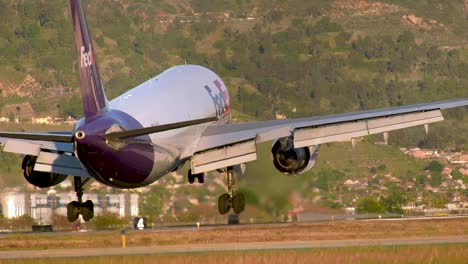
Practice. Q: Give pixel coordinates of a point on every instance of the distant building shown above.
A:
(423, 153)
(41, 207)
(461, 159)
(42, 120)
(70, 120)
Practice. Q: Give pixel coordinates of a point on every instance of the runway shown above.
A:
(225, 247)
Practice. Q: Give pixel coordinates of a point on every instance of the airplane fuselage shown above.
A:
(179, 94)
(177, 116)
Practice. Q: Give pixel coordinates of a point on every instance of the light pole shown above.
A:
(40, 211)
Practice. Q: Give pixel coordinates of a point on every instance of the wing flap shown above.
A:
(386, 124)
(59, 163)
(223, 157)
(346, 131)
(324, 134)
(22, 147)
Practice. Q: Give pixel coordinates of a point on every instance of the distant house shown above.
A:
(461, 159)
(356, 184)
(42, 120)
(70, 120)
(391, 178)
(423, 153)
(446, 171)
(464, 172)
(194, 201)
(409, 185)
(279, 116)
(352, 184)
(48, 120)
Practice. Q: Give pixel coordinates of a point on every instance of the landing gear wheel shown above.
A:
(238, 203)
(75, 208)
(224, 203)
(191, 177)
(72, 211)
(87, 210)
(201, 178)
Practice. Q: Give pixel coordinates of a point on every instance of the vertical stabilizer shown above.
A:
(92, 91)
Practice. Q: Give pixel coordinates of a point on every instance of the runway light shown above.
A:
(198, 225)
(122, 234)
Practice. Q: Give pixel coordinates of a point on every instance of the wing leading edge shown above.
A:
(308, 131)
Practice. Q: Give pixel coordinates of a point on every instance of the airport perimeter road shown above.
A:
(192, 248)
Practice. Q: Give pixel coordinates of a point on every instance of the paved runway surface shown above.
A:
(180, 249)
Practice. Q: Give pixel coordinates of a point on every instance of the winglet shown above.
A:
(92, 91)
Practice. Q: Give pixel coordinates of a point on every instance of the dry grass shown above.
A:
(241, 234)
(416, 254)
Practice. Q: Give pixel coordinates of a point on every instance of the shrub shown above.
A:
(369, 205)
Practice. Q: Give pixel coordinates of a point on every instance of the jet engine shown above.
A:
(38, 178)
(289, 160)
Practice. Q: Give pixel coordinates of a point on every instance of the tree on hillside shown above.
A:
(328, 179)
(153, 202)
(436, 179)
(393, 202)
(369, 205)
(435, 166)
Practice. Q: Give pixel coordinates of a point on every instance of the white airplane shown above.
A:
(181, 116)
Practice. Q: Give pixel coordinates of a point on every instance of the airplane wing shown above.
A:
(54, 150)
(231, 144)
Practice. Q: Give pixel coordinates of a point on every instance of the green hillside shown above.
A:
(286, 56)
(297, 58)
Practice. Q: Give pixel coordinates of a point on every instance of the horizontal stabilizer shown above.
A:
(156, 129)
(49, 136)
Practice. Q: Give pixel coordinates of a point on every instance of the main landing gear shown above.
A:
(75, 208)
(191, 177)
(228, 200)
(231, 199)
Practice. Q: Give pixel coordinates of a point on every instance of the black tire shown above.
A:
(191, 177)
(223, 203)
(201, 177)
(72, 211)
(238, 203)
(87, 210)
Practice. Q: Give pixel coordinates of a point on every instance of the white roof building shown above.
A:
(42, 206)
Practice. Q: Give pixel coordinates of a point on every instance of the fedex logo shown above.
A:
(86, 58)
(220, 99)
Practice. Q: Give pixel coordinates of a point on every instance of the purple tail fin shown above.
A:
(92, 91)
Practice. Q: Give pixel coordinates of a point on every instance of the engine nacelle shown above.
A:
(289, 160)
(38, 178)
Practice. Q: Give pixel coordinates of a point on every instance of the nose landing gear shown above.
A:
(75, 208)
